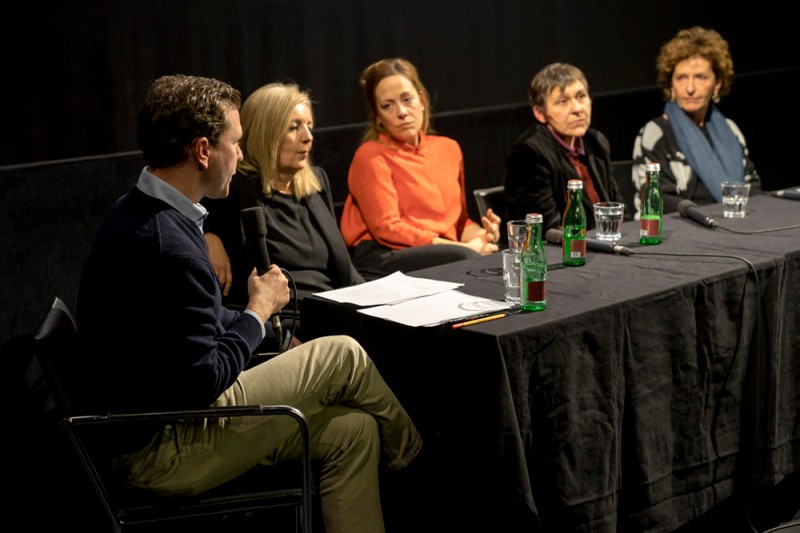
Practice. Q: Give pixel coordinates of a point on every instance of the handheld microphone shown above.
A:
(255, 228)
(793, 194)
(554, 236)
(688, 209)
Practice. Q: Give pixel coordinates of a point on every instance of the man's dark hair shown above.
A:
(179, 109)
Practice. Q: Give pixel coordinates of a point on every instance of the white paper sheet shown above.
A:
(437, 308)
(391, 289)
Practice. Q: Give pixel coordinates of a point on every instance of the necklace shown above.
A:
(284, 187)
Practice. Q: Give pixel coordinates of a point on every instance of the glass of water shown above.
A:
(517, 235)
(734, 199)
(608, 220)
(511, 263)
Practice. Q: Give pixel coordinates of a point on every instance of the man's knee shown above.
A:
(346, 343)
(350, 432)
(341, 349)
(360, 437)
(361, 428)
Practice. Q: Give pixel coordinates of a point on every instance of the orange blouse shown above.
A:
(403, 195)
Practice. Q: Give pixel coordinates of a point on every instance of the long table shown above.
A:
(653, 387)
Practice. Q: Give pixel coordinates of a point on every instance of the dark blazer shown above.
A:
(224, 219)
(538, 169)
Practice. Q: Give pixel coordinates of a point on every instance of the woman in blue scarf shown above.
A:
(696, 145)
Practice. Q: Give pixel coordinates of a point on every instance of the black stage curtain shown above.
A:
(76, 72)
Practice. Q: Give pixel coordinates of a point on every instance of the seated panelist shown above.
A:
(276, 175)
(696, 145)
(407, 206)
(155, 335)
(559, 146)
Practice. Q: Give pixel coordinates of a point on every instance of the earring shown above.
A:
(672, 95)
(715, 98)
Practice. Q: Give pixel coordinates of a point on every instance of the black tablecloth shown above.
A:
(651, 388)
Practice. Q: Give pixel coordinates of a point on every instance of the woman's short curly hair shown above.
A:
(691, 42)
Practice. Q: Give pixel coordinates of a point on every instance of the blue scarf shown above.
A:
(713, 162)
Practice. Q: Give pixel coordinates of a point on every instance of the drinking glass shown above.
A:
(517, 233)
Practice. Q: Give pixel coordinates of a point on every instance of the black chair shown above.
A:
(263, 487)
(495, 198)
(622, 174)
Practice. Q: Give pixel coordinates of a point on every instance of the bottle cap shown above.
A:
(574, 184)
(534, 218)
(653, 167)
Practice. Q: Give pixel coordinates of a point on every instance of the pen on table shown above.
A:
(478, 320)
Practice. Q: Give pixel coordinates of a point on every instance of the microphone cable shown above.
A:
(749, 232)
(295, 313)
(689, 209)
(761, 329)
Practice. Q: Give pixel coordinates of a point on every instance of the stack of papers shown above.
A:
(391, 289)
(414, 301)
(437, 309)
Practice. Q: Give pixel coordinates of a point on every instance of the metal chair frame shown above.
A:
(254, 490)
(793, 526)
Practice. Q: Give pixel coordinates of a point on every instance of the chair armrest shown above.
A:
(174, 416)
(72, 423)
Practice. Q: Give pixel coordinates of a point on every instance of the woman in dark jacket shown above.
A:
(559, 147)
(276, 175)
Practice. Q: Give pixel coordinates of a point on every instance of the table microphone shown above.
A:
(255, 228)
(554, 236)
(688, 209)
(793, 194)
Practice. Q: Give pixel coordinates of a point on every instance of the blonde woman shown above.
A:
(276, 175)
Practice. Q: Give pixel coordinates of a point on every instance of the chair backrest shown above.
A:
(622, 173)
(56, 342)
(51, 489)
(494, 198)
(284, 486)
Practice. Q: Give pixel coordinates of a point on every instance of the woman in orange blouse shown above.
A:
(407, 206)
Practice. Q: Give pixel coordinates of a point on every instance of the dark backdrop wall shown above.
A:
(76, 72)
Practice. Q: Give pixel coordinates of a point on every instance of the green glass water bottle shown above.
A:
(651, 213)
(533, 267)
(573, 225)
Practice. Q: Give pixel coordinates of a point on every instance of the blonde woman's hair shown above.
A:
(265, 117)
